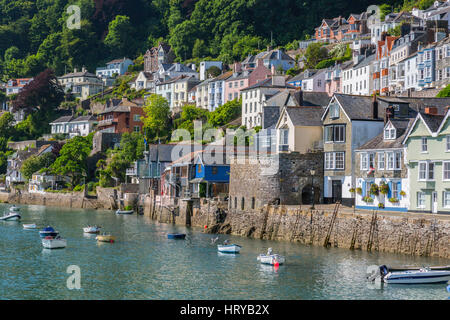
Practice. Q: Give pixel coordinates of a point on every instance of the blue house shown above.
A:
(211, 178)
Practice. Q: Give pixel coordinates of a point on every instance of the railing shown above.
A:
(131, 172)
(106, 122)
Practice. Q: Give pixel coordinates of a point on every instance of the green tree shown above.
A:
(200, 50)
(314, 54)
(36, 163)
(157, 113)
(120, 38)
(225, 113)
(72, 160)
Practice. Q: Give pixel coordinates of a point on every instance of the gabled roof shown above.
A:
(356, 107)
(62, 119)
(267, 83)
(161, 152)
(304, 116)
(117, 61)
(379, 143)
(78, 74)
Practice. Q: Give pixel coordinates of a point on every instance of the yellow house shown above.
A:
(299, 129)
(181, 88)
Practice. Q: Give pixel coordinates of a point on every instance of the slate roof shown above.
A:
(267, 83)
(365, 62)
(358, 107)
(62, 119)
(305, 116)
(379, 142)
(270, 116)
(432, 121)
(78, 74)
(162, 151)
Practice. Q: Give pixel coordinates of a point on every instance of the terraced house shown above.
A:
(428, 157)
(349, 122)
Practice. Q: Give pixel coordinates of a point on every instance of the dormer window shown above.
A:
(389, 132)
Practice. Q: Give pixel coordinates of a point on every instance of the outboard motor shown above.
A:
(383, 270)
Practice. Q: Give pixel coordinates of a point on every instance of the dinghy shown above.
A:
(89, 229)
(176, 236)
(29, 226)
(271, 258)
(54, 242)
(106, 238)
(226, 247)
(124, 211)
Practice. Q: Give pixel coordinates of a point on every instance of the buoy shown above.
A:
(206, 227)
(111, 241)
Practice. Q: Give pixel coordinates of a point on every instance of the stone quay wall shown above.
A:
(67, 200)
(383, 232)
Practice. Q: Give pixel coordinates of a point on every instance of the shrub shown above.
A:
(78, 188)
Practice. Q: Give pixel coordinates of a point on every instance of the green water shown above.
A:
(144, 264)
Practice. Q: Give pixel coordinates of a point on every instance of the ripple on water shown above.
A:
(144, 264)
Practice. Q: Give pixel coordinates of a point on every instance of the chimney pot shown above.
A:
(431, 110)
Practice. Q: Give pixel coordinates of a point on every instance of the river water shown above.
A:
(144, 264)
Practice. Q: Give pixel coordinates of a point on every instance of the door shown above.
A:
(434, 201)
(336, 191)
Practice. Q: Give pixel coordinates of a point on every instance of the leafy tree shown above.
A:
(36, 163)
(200, 50)
(120, 38)
(6, 125)
(444, 93)
(225, 113)
(314, 54)
(213, 71)
(157, 113)
(72, 160)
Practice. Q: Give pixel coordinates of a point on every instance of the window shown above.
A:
(334, 160)
(398, 161)
(390, 160)
(426, 171)
(137, 129)
(395, 192)
(284, 136)
(371, 160)
(424, 145)
(364, 161)
(334, 110)
(447, 144)
(381, 161)
(446, 199)
(335, 133)
(137, 118)
(421, 200)
(446, 170)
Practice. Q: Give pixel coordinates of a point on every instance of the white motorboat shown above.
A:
(422, 276)
(29, 226)
(229, 248)
(90, 229)
(12, 215)
(54, 243)
(124, 211)
(271, 258)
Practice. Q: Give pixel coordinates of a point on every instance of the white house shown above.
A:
(205, 65)
(80, 126)
(315, 82)
(117, 66)
(356, 79)
(40, 182)
(144, 81)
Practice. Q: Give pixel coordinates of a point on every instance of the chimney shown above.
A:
(193, 67)
(375, 107)
(300, 96)
(75, 70)
(237, 67)
(273, 70)
(278, 80)
(83, 69)
(259, 62)
(431, 110)
(389, 114)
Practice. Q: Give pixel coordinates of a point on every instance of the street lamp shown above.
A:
(313, 172)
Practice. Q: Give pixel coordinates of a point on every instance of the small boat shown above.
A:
(29, 226)
(54, 242)
(412, 268)
(12, 215)
(48, 232)
(422, 276)
(226, 247)
(105, 238)
(176, 236)
(271, 258)
(124, 211)
(90, 229)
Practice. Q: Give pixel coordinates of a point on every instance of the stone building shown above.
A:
(284, 178)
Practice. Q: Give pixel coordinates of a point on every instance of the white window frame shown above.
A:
(381, 156)
(331, 161)
(427, 171)
(446, 199)
(447, 143)
(444, 163)
(364, 161)
(424, 145)
(421, 201)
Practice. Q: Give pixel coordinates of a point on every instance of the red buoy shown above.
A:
(206, 227)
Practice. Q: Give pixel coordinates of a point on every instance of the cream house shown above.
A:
(299, 129)
(81, 84)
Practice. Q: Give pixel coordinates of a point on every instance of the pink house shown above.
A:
(242, 79)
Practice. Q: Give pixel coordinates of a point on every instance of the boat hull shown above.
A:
(54, 243)
(271, 259)
(29, 226)
(11, 217)
(179, 236)
(411, 277)
(232, 248)
(105, 238)
(91, 230)
(124, 212)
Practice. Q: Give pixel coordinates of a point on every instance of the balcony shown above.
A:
(131, 172)
(106, 122)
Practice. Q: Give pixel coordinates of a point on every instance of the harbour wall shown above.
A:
(383, 232)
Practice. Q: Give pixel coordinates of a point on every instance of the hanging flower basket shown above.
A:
(384, 188)
(368, 199)
(381, 205)
(374, 189)
(351, 190)
(402, 193)
(358, 190)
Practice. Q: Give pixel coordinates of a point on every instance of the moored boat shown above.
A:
(124, 211)
(48, 232)
(29, 226)
(12, 215)
(105, 238)
(91, 229)
(422, 276)
(176, 236)
(271, 258)
(227, 247)
(54, 242)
